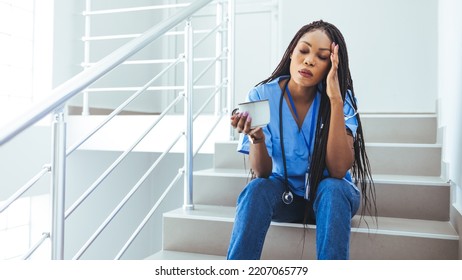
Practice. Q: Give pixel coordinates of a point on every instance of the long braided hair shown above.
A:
(361, 170)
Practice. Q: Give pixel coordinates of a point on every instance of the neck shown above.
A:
(300, 93)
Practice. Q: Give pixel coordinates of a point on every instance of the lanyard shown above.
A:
(287, 196)
(311, 139)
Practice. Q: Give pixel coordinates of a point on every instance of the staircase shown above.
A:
(412, 200)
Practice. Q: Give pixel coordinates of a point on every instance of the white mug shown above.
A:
(258, 110)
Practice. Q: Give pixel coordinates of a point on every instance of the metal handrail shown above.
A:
(119, 159)
(45, 169)
(34, 248)
(122, 106)
(79, 82)
(202, 108)
(149, 215)
(207, 68)
(117, 209)
(112, 215)
(135, 35)
(136, 9)
(209, 133)
(150, 88)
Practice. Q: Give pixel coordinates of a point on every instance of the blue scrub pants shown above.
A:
(260, 203)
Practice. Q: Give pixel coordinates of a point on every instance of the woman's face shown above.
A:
(310, 60)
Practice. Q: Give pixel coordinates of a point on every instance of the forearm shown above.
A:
(340, 153)
(259, 159)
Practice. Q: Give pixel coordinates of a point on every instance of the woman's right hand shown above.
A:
(242, 122)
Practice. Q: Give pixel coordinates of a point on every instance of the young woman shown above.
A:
(303, 157)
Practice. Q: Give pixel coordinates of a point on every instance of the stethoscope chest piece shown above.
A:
(287, 197)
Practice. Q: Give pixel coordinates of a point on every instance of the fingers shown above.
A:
(256, 136)
(241, 122)
(334, 55)
(333, 87)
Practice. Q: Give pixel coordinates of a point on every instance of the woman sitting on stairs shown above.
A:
(302, 159)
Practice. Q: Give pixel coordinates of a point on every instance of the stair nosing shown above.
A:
(211, 216)
(182, 255)
(378, 178)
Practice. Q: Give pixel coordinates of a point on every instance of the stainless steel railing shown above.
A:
(80, 83)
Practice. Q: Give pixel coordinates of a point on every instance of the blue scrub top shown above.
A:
(298, 144)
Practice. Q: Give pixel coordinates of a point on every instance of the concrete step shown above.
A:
(175, 255)
(412, 197)
(385, 158)
(405, 159)
(206, 230)
(400, 128)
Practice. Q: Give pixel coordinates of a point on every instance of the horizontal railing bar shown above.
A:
(207, 67)
(79, 82)
(136, 9)
(208, 134)
(111, 37)
(119, 159)
(25, 187)
(150, 88)
(155, 61)
(125, 200)
(134, 88)
(34, 248)
(147, 61)
(211, 97)
(148, 216)
(136, 35)
(122, 106)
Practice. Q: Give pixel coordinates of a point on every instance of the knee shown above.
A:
(257, 189)
(337, 191)
(333, 189)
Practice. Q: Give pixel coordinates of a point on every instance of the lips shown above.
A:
(306, 73)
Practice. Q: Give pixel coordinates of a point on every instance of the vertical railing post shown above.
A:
(219, 63)
(86, 59)
(58, 185)
(188, 112)
(230, 62)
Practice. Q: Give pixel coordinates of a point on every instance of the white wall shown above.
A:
(22, 158)
(392, 46)
(255, 20)
(450, 91)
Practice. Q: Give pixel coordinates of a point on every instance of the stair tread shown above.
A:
(375, 144)
(177, 255)
(379, 178)
(386, 225)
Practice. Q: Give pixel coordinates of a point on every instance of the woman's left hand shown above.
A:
(333, 86)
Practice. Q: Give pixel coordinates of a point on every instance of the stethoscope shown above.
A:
(287, 195)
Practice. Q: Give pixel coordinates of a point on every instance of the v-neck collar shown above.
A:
(310, 114)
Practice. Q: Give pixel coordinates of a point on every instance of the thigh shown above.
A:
(338, 195)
